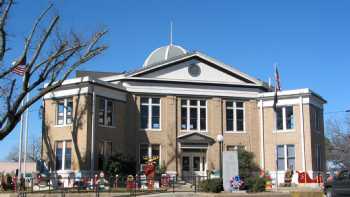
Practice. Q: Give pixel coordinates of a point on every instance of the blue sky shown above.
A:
(310, 40)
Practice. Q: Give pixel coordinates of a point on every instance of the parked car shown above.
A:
(338, 185)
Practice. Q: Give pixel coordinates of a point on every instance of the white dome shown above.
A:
(164, 53)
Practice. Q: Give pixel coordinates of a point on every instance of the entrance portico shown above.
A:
(194, 154)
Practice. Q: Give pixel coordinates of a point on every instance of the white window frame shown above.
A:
(284, 119)
(198, 107)
(236, 147)
(150, 105)
(106, 100)
(285, 156)
(150, 153)
(64, 142)
(65, 105)
(235, 108)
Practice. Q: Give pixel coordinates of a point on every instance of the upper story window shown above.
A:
(64, 112)
(234, 116)
(63, 155)
(105, 112)
(285, 118)
(150, 113)
(285, 157)
(317, 118)
(193, 115)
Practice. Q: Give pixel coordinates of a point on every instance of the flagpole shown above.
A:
(26, 137)
(20, 145)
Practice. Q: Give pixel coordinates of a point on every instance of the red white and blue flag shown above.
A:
(20, 69)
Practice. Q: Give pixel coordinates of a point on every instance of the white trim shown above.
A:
(65, 93)
(79, 80)
(93, 123)
(302, 132)
(63, 125)
(190, 89)
(100, 91)
(203, 56)
(283, 131)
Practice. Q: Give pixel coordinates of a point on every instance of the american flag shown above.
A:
(277, 88)
(20, 69)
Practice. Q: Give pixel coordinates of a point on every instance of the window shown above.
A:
(104, 153)
(285, 155)
(193, 115)
(235, 147)
(105, 112)
(317, 119)
(234, 116)
(149, 151)
(284, 118)
(64, 112)
(291, 157)
(185, 163)
(63, 155)
(318, 157)
(150, 113)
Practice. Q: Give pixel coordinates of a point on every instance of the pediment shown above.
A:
(195, 138)
(196, 68)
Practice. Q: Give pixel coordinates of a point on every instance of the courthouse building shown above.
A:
(173, 107)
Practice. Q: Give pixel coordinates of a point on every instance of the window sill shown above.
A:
(191, 131)
(63, 125)
(150, 130)
(106, 126)
(284, 131)
(235, 132)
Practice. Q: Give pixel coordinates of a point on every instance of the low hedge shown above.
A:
(255, 184)
(212, 185)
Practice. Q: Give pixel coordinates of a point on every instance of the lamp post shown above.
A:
(220, 139)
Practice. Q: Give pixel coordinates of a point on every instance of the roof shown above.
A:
(95, 74)
(288, 93)
(195, 137)
(164, 53)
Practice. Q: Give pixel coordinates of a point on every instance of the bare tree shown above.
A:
(33, 151)
(50, 58)
(338, 142)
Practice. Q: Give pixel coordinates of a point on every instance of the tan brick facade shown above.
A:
(126, 136)
(185, 147)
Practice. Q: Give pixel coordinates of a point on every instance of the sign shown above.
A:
(230, 169)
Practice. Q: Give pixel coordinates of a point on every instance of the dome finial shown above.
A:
(171, 32)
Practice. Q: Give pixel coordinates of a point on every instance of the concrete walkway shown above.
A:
(176, 194)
